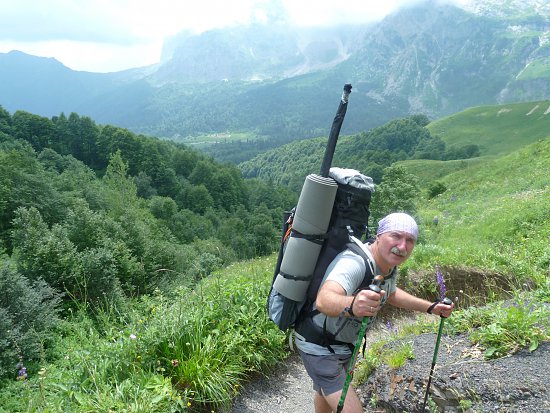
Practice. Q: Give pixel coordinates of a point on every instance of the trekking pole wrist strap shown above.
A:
(430, 308)
(351, 306)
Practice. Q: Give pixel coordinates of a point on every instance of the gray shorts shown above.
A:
(327, 372)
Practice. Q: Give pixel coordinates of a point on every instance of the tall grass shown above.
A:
(492, 229)
(184, 352)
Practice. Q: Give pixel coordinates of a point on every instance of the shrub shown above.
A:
(28, 313)
(436, 189)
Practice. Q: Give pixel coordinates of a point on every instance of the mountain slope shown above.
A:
(497, 129)
(282, 85)
(494, 130)
(438, 60)
(45, 86)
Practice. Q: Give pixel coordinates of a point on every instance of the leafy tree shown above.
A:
(87, 229)
(202, 173)
(83, 135)
(37, 130)
(195, 198)
(5, 122)
(188, 226)
(163, 208)
(430, 148)
(463, 152)
(144, 186)
(184, 161)
(113, 139)
(232, 233)
(165, 181)
(436, 188)
(24, 183)
(420, 119)
(122, 191)
(399, 191)
(46, 254)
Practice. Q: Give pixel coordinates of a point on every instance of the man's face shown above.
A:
(394, 247)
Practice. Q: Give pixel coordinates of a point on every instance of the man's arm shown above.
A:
(332, 300)
(403, 299)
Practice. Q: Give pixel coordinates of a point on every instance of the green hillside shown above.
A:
(497, 129)
(428, 170)
(167, 351)
(493, 219)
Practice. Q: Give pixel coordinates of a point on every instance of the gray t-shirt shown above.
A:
(348, 270)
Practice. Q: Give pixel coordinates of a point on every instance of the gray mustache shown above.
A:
(397, 251)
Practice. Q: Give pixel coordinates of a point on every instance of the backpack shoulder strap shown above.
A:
(361, 249)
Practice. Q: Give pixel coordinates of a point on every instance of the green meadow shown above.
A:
(497, 130)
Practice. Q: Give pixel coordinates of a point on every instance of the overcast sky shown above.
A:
(113, 35)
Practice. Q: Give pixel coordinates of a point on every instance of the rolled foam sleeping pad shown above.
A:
(312, 217)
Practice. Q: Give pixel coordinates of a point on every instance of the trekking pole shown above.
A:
(375, 286)
(446, 301)
(335, 131)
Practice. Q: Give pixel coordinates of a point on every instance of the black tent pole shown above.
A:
(335, 131)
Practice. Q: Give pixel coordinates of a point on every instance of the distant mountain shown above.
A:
(438, 60)
(255, 53)
(45, 86)
(282, 84)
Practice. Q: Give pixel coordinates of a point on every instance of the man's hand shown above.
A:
(367, 303)
(443, 310)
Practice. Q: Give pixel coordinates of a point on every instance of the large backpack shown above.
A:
(349, 218)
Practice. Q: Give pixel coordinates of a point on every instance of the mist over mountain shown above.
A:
(255, 53)
(281, 83)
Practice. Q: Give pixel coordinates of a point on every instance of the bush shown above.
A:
(436, 189)
(28, 314)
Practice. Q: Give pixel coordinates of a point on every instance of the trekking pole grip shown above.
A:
(376, 282)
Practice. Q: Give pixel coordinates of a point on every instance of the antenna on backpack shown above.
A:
(335, 131)
(310, 222)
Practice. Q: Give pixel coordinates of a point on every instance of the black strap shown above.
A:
(296, 277)
(430, 309)
(369, 266)
(351, 306)
(315, 238)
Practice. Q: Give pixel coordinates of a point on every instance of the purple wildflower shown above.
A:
(22, 370)
(441, 282)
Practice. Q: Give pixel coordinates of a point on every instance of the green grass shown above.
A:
(184, 352)
(538, 68)
(430, 170)
(202, 141)
(497, 130)
(492, 227)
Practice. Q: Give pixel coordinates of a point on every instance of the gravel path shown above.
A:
(288, 389)
(519, 383)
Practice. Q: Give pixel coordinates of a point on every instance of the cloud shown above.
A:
(61, 20)
(111, 35)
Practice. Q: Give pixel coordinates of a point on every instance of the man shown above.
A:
(327, 336)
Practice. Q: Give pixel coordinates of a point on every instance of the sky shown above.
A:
(113, 35)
